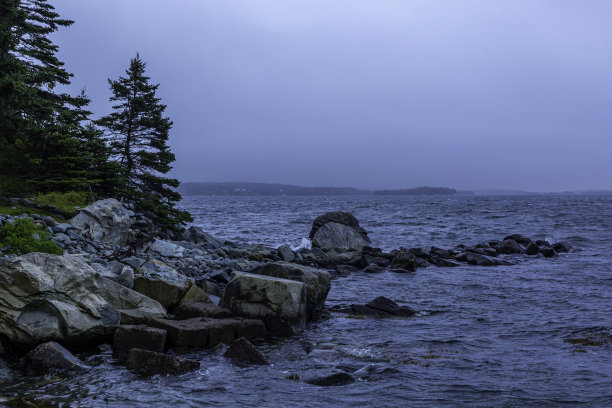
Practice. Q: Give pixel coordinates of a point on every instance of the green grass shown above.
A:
(24, 236)
(66, 202)
(19, 209)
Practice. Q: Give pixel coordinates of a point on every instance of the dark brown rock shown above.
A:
(188, 310)
(331, 379)
(159, 363)
(387, 305)
(532, 249)
(137, 336)
(242, 349)
(509, 246)
(50, 357)
(404, 262)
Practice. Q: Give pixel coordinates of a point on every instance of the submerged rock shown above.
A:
(404, 262)
(338, 230)
(331, 378)
(105, 221)
(281, 303)
(318, 283)
(158, 363)
(242, 350)
(509, 246)
(51, 357)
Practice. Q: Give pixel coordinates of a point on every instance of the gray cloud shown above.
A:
(385, 94)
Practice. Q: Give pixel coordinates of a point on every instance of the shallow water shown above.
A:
(485, 336)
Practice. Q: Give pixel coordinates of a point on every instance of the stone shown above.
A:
(333, 378)
(386, 305)
(285, 253)
(159, 363)
(220, 277)
(104, 221)
(188, 310)
(209, 287)
(204, 332)
(532, 249)
(194, 294)
(521, 239)
(133, 262)
(62, 238)
(560, 247)
(47, 297)
(166, 248)
(137, 336)
(280, 303)
(162, 283)
(404, 262)
(434, 260)
(62, 228)
(117, 272)
(318, 283)
(200, 237)
(509, 246)
(338, 230)
(547, 252)
(242, 350)
(480, 260)
(51, 357)
(441, 253)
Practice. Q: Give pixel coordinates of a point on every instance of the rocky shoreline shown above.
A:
(151, 297)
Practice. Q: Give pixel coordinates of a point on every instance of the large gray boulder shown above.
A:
(47, 297)
(318, 283)
(280, 303)
(338, 230)
(157, 280)
(105, 221)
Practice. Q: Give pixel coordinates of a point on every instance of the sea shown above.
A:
(534, 334)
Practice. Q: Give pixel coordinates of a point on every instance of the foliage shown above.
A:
(67, 202)
(24, 236)
(138, 134)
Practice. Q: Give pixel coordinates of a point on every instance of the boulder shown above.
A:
(330, 378)
(200, 237)
(386, 305)
(280, 303)
(153, 362)
(285, 253)
(338, 230)
(242, 350)
(105, 221)
(547, 251)
(509, 246)
(50, 357)
(318, 283)
(404, 262)
(117, 272)
(166, 248)
(47, 297)
(532, 249)
(162, 283)
(560, 247)
(521, 239)
(480, 260)
(137, 336)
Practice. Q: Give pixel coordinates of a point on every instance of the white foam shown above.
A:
(305, 244)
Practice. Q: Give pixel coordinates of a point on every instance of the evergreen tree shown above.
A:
(40, 148)
(138, 135)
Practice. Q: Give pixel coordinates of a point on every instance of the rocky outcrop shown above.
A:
(318, 283)
(280, 303)
(379, 307)
(117, 272)
(105, 221)
(338, 230)
(49, 297)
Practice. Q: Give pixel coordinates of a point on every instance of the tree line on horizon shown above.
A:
(49, 141)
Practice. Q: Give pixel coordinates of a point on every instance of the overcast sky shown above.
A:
(373, 94)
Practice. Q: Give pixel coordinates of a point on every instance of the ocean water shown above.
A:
(483, 337)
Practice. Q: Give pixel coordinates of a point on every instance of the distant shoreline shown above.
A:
(239, 189)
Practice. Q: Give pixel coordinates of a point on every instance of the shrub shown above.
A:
(24, 236)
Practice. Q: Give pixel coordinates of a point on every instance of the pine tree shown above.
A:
(138, 135)
(40, 149)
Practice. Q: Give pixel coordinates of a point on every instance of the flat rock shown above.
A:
(141, 337)
(159, 363)
(189, 310)
(242, 350)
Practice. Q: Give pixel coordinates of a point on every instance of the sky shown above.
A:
(506, 94)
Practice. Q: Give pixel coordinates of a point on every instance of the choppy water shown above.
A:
(498, 340)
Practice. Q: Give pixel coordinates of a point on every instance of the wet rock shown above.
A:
(386, 305)
(200, 237)
(338, 230)
(547, 252)
(50, 357)
(209, 287)
(509, 246)
(220, 277)
(105, 221)
(205, 332)
(137, 336)
(434, 260)
(331, 378)
(532, 249)
(481, 260)
(441, 253)
(281, 303)
(318, 283)
(488, 251)
(242, 350)
(285, 253)
(190, 310)
(50, 297)
(167, 248)
(521, 239)
(373, 268)
(404, 262)
(560, 247)
(158, 363)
